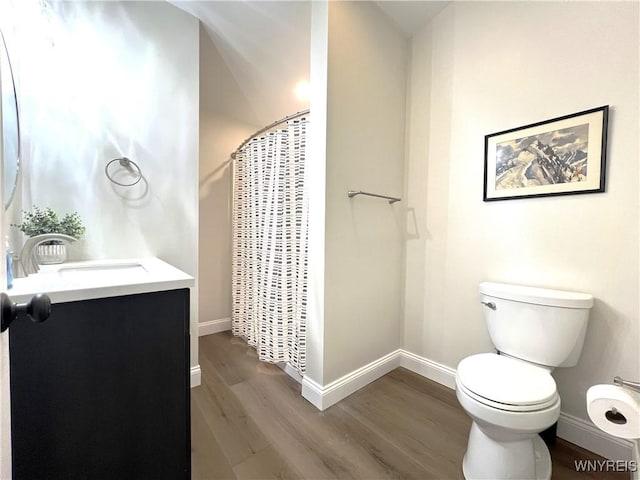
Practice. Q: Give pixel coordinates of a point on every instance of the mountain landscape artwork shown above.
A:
(553, 157)
(561, 156)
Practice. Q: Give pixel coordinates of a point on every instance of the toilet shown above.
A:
(510, 395)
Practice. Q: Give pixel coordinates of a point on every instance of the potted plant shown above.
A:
(38, 222)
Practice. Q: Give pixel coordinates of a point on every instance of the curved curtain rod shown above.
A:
(269, 127)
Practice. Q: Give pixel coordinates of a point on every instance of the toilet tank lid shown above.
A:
(537, 296)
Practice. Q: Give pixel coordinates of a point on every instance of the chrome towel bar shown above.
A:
(353, 193)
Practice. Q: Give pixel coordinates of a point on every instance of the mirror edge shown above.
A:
(7, 203)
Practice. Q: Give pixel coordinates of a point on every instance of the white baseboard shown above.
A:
(325, 396)
(214, 326)
(573, 429)
(196, 376)
(587, 435)
(428, 368)
(312, 391)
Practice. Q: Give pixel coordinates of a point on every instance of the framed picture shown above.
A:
(561, 156)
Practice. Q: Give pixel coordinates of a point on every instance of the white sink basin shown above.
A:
(107, 268)
(91, 273)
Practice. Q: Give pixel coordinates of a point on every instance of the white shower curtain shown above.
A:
(269, 244)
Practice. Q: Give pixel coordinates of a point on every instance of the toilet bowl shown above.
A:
(511, 395)
(510, 402)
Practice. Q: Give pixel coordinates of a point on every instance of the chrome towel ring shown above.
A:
(125, 163)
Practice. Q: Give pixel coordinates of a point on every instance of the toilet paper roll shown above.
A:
(614, 409)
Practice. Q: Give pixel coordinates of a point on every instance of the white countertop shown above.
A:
(74, 281)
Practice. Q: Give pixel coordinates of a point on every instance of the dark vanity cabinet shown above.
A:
(101, 390)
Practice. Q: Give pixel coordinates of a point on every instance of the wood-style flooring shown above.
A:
(249, 421)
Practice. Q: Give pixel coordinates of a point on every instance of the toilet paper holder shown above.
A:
(626, 383)
(614, 416)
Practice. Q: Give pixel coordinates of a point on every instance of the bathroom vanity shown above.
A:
(100, 389)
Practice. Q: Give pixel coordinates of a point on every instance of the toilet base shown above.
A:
(522, 457)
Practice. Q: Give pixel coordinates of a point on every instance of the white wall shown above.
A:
(100, 80)
(316, 171)
(365, 147)
(366, 78)
(223, 108)
(480, 68)
(247, 81)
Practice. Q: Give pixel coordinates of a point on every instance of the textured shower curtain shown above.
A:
(269, 244)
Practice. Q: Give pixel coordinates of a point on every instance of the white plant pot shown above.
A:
(51, 254)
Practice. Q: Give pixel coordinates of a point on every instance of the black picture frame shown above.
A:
(561, 156)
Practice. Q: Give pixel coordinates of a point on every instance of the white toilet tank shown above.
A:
(538, 325)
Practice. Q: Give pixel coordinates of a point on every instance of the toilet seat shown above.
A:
(506, 383)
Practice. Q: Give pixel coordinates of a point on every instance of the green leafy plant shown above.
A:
(38, 221)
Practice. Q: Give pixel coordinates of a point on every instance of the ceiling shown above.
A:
(257, 51)
(264, 47)
(411, 16)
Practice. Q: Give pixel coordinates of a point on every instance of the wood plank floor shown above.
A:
(249, 421)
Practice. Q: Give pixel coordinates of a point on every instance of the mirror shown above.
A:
(10, 125)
